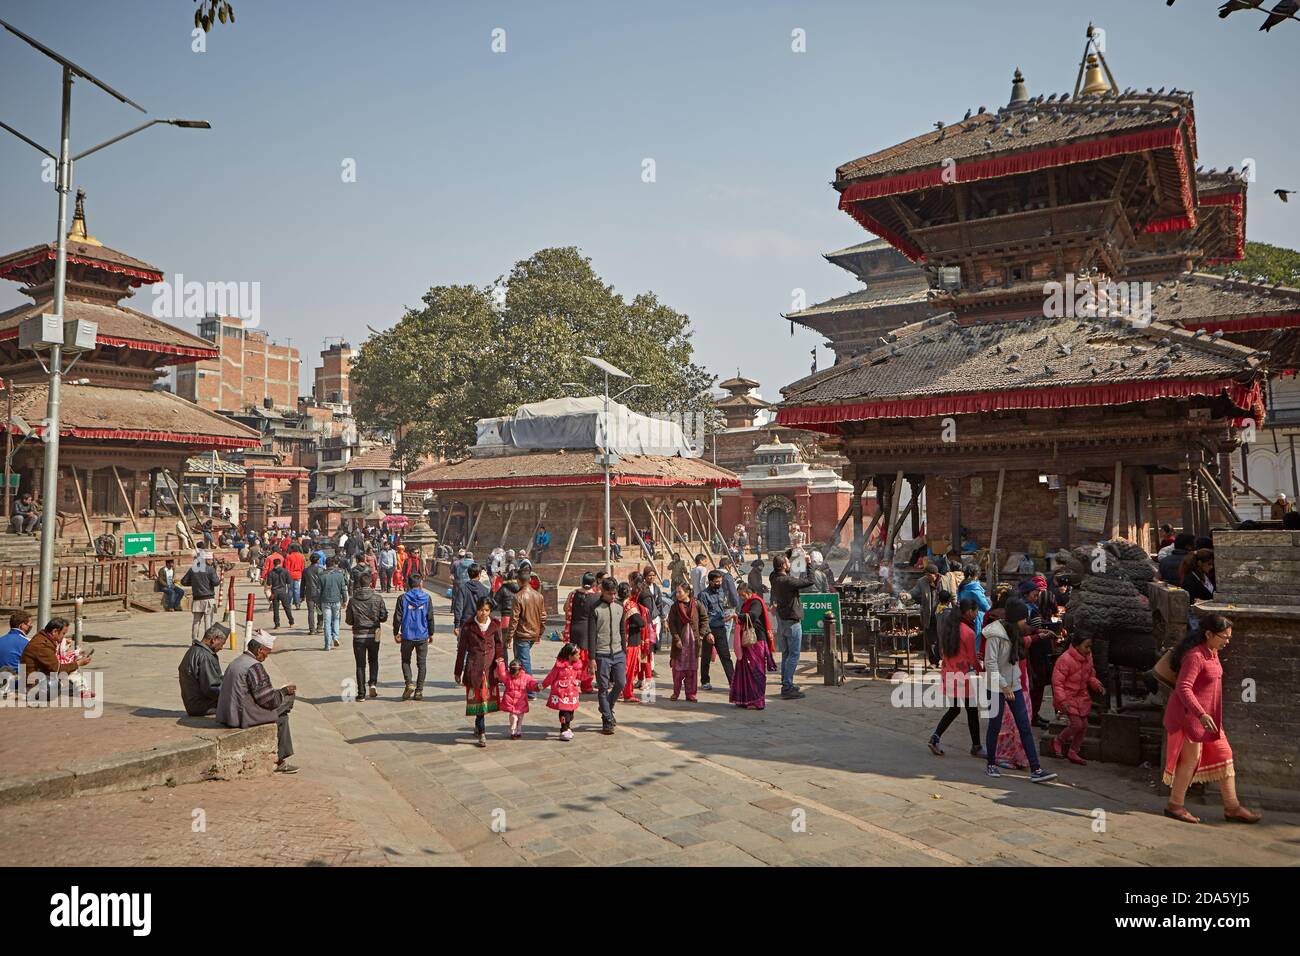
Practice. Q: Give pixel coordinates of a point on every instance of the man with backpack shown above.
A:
(412, 628)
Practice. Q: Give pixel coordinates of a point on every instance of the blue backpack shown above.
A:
(415, 616)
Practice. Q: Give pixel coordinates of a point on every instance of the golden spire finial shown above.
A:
(78, 232)
(1093, 80)
(1099, 79)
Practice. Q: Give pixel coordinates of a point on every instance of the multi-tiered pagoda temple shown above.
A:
(1046, 427)
(122, 443)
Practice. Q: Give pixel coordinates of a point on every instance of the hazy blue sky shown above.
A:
(468, 160)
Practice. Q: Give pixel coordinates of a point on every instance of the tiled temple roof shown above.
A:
(1075, 360)
(565, 468)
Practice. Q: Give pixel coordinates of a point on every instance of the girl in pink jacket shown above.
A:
(1072, 679)
(565, 682)
(514, 698)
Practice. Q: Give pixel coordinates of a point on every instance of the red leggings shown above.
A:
(1071, 738)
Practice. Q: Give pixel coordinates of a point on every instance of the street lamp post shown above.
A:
(63, 185)
(607, 370)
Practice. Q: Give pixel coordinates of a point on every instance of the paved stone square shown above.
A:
(839, 778)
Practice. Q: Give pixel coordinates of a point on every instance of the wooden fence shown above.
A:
(92, 581)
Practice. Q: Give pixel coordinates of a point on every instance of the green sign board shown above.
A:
(815, 607)
(137, 544)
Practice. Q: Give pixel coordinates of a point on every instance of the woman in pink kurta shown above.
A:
(1197, 749)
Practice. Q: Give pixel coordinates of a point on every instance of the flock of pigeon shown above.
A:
(1011, 121)
(1283, 10)
(1048, 353)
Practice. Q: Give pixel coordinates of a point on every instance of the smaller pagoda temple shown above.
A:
(123, 443)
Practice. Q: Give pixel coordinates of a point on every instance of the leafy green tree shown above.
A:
(1275, 263)
(474, 353)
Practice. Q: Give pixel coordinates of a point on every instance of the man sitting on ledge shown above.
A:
(200, 672)
(247, 698)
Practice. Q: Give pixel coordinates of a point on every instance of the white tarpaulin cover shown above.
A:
(582, 423)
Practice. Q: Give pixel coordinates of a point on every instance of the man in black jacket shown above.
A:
(789, 620)
(200, 672)
(311, 591)
(203, 582)
(366, 612)
(278, 585)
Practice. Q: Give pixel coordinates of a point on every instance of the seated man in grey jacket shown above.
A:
(200, 672)
(248, 700)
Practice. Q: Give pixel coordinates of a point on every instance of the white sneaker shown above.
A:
(566, 734)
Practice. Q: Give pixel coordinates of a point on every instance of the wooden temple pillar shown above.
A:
(917, 485)
(857, 558)
(885, 492)
(954, 494)
(1153, 542)
(1063, 514)
(1189, 495)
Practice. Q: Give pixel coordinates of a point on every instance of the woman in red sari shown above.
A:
(1197, 746)
(754, 643)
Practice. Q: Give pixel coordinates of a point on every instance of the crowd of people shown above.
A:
(1018, 642)
(612, 632)
(707, 618)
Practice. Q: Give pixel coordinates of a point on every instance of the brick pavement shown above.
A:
(840, 778)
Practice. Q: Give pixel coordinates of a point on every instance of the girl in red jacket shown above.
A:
(1072, 679)
(565, 682)
(517, 684)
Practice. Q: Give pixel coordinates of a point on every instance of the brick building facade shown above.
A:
(250, 371)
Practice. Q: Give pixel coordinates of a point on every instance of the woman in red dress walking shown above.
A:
(1197, 747)
(478, 648)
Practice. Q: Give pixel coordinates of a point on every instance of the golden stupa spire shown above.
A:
(1094, 74)
(78, 232)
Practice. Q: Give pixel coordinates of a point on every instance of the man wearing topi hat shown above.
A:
(247, 698)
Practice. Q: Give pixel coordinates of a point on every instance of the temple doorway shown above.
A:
(774, 516)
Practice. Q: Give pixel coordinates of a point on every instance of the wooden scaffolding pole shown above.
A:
(568, 551)
(81, 499)
(469, 538)
(690, 514)
(635, 531)
(446, 521)
(505, 529)
(672, 523)
(130, 507)
(181, 502)
(993, 536)
(713, 522)
(541, 516)
(654, 526)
